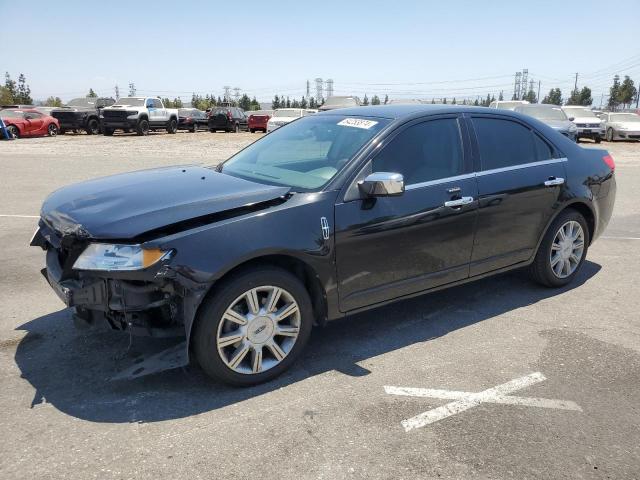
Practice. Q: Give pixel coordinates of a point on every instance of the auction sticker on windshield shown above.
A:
(357, 123)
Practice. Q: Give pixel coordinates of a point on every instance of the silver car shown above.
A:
(621, 126)
(553, 116)
(588, 123)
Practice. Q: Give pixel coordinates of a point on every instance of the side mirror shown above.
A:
(571, 119)
(382, 184)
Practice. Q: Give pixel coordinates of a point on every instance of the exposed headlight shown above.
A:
(103, 256)
(131, 114)
(101, 115)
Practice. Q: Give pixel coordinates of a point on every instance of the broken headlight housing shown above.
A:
(110, 257)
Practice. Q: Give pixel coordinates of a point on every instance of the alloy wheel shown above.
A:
(258, 330)
(567, 249)
(53, 130)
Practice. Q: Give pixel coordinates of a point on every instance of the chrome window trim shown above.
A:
(456, 178)
(524, 165)
(439, 181)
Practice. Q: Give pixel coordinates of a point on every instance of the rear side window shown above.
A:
(504, 143)
(424, 152)
(543, 150)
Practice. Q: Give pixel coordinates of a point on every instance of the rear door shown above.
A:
(389, 247)
(520, 178)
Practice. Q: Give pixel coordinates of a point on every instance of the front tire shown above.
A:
(52, 130)
(597, 139)
(142, 128)
(562, 251)
(107, 132)
(610, 135)
(254, 327)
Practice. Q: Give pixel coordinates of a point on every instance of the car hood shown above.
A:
(578, 119)
(283, 119)
(128, 205)
(628, 125)
(74, 109)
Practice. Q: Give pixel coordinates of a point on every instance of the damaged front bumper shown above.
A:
(150, 302)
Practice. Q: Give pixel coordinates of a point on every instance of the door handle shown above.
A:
(554, 181)
(459, 202)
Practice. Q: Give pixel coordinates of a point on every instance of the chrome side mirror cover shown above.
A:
(382, 184)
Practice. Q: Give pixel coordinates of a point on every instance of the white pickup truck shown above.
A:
(141, 114)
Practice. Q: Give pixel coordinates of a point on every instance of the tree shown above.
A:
(614, 93)
(584, 98)
(531, 97)
(433, 101)
(10, 85)
(245, 102)
(23, 94)
(275, 104)
(554, 97)
(5, 96)
(255, 105)
(303, 103)
(91, 93)
(365, 100)
(53, 102)
(627, 92)
(453, 102)
(313, 103)
(375, 100)
(475, 103)
(501, 96)
(386, 99)
(487, 102)
(444, 101)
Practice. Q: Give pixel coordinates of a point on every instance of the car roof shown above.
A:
(400, 111)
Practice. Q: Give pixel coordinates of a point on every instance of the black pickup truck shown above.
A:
(82, 114)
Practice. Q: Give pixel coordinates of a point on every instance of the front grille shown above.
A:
(593, 125)
(115, 114)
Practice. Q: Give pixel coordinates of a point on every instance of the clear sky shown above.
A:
(406, 49)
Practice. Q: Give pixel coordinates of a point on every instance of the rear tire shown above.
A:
(212, 130)
(107, 132)
(252, 130)
(93, 127)
(212, 322)
(142, 128)
(237, 128)
(172, 126)
(62, 131)
(597, 139)
(541, 270)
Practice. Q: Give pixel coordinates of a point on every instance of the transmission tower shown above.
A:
(329, 88)
(516, 86)
(319, 90)
(227, 93)
(117, 92)
(236, 93)
(132, 89)
(531, 83)
(523, 83)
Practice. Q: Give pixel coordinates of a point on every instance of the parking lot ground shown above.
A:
(330, 416)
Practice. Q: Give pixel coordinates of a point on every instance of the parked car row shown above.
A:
(29, 122)
(579, 121)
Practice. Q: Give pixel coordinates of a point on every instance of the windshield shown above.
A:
(544, 113)
(132, 101)
(11, 114)
(624, 118)
(304, 154)
(186, 112)
(579, 112)
(508, 105)
(82, 102)
(288, 113)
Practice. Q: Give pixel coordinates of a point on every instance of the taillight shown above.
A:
(229, 116)
(608, 159)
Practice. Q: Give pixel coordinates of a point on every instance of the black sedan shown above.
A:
(192, 119)
(332, 214)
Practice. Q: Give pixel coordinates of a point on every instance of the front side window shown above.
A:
(157, 103)
(504, 143)
(305, 154)
(424, 152)
(32, 115)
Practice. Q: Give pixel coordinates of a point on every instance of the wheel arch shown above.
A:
(292, 264)
(580, 205)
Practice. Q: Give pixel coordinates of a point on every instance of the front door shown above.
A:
(389, 247)
(520, 177)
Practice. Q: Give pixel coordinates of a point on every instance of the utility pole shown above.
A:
(575, 86)
(601, 99)
(538, 91)
(308, 90)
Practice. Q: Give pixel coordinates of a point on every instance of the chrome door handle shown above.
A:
(554, 181)
(459, 202)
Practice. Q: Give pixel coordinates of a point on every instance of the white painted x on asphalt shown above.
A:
(466, 400)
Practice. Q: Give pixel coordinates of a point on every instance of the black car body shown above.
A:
(192, 119)
(228, 119)
(405, 200)
(82, 114)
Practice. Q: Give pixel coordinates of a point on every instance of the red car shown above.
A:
(258, 120)
(28, 122)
